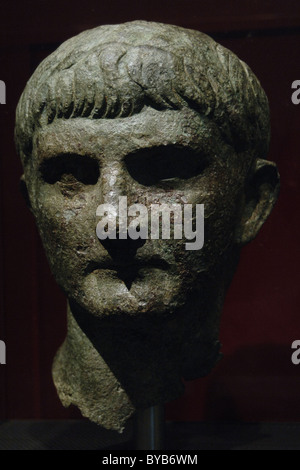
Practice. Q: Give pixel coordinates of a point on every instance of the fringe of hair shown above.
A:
(116, 80)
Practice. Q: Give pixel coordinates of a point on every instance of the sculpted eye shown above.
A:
(69, 169)
(153, 166)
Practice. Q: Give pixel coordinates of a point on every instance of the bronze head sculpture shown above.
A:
(156, 113)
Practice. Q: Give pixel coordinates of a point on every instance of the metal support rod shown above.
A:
(149, 428)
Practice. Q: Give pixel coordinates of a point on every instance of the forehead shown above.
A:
(122, 135)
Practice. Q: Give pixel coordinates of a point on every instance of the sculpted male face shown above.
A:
(158, 114)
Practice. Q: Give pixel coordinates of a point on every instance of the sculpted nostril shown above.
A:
(122, 248)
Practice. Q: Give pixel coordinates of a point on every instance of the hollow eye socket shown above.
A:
(70, 168)
(158, 164)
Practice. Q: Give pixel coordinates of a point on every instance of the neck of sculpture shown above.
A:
(109, 372)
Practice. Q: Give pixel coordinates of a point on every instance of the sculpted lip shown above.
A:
(127, 271)
(133, 265)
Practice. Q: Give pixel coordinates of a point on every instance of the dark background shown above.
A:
(256, 380)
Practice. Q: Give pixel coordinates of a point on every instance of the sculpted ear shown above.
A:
(260, 195)
(24, 191)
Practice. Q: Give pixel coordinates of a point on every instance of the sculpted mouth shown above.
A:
(127, 271)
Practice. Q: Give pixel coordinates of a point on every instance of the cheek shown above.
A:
(67, 229)
(221, 196)
(221, 219)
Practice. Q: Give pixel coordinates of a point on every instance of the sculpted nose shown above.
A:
(112, 184)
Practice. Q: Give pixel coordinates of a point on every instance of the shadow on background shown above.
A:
(269, 381)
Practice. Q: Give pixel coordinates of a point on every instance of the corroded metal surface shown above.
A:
(160, 114)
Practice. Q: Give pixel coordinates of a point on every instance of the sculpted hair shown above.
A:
(114, 71)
